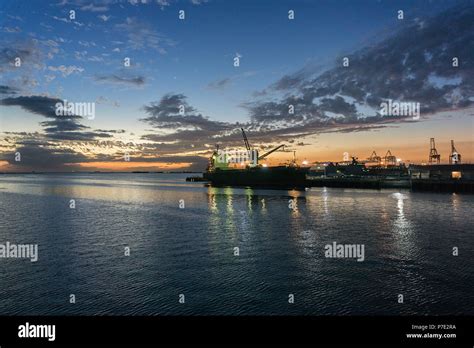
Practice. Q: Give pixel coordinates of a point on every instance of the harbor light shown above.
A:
(305, 162)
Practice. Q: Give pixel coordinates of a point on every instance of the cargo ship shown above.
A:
(285, 177)
(254, 175)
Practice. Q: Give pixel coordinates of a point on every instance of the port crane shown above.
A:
(455, 156)
(435, 157)
(374, 158)
(390, 159)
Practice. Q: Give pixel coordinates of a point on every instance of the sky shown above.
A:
(183, 92)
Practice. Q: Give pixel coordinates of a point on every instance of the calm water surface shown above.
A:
(408, 241)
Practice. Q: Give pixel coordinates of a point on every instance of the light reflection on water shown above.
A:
(281, 235)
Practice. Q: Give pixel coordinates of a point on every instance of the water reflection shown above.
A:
(229, 196)
(456, 201)
(325, 200)
(141, 189)
(264, 207)
(402, 225)
(403, 232)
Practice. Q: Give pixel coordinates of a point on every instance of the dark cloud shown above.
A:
(40, 105)
(66, 127)
(61, 125)
(121, 80)
(173, 111)
(77, 136)
(294, 80)
(338, 106)
(271, 111)
(112, 131)
(39, 158)
(8, 90)
(414, 64)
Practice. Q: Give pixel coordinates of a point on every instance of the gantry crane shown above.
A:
(435, 157)
(374, 158)
(455, 156)
(390, 159)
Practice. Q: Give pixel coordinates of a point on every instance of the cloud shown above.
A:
(227, 81)
(39, 105)
(65, 20)
(294, 80)
(141, 36)
(187, 131)
(113, 131)
(163, 3)
(92, 8)
(11, 29)
(57, 127)
(28, 53)
(76, 136)
(220, 84)
(17, 18)
(121, 80)
(86, 43)
(8, 90)
(66, 70)
(104, 17)
(413, 65)
(173, 111)
(41, 158)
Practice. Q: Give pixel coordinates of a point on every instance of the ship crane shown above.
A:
(270, 152)
(455, 156)
(253, 153)
(434, 156)
(265, 155)
(246, 141)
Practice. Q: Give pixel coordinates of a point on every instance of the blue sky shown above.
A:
(200, 50)
(82, 59)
